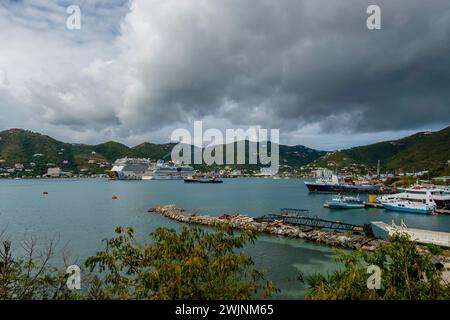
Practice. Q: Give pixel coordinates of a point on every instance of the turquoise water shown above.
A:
(80, 213)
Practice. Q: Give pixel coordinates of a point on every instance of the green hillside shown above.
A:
(37, 152)
(152, 150)
(25, 147)
(291, 157)
(421, 151)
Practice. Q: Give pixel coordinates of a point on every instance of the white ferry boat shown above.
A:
(418, 193)
(423, 206)
(165, 172)
(440, 195)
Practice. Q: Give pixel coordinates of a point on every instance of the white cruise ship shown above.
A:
(129, 168)
(165, 172)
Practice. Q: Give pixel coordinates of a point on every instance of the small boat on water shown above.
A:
(202, 180)
(345, 202)
(425, 206)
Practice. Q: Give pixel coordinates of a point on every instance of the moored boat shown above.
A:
(440, 195)
(202, 180)
(345, 202)
(422, 206)
(334, 184)
(409, 206)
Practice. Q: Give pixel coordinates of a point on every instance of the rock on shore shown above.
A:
(238, 221)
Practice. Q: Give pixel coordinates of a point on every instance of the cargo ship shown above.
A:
(334, 184)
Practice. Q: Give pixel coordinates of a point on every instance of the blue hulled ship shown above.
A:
(334, 184)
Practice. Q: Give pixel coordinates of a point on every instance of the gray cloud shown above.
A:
(289, 64)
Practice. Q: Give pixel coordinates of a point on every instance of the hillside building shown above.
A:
(56, 172)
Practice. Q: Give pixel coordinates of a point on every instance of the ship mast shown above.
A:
(378, 168)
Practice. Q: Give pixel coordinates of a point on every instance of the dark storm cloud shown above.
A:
(286, 64)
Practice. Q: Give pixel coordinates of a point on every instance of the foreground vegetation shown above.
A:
(31, 276)
(196, 264)
(406, 273)
(191, 264)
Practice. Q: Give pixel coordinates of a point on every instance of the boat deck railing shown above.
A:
(293, 211)
(299, 217)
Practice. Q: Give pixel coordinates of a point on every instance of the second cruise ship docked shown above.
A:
(166, 172)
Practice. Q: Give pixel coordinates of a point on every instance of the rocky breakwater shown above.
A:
(238, 221)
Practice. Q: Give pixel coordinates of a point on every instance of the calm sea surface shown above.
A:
(80, 213)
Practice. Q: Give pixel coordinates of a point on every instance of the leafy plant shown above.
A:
(31, 276)
(406, 273)
(434, 249)
(192, 264)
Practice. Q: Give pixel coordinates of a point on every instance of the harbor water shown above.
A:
(80, 213)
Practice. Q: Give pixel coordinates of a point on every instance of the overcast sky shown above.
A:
(139, 69)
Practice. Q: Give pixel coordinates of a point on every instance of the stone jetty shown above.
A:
(238, 221)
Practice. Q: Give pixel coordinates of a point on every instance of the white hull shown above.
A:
(163, 172)
(409, 202)
(408, 207)
(441, 197)
(129, 168)
(162, 178)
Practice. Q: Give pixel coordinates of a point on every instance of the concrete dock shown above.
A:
(418, 235)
